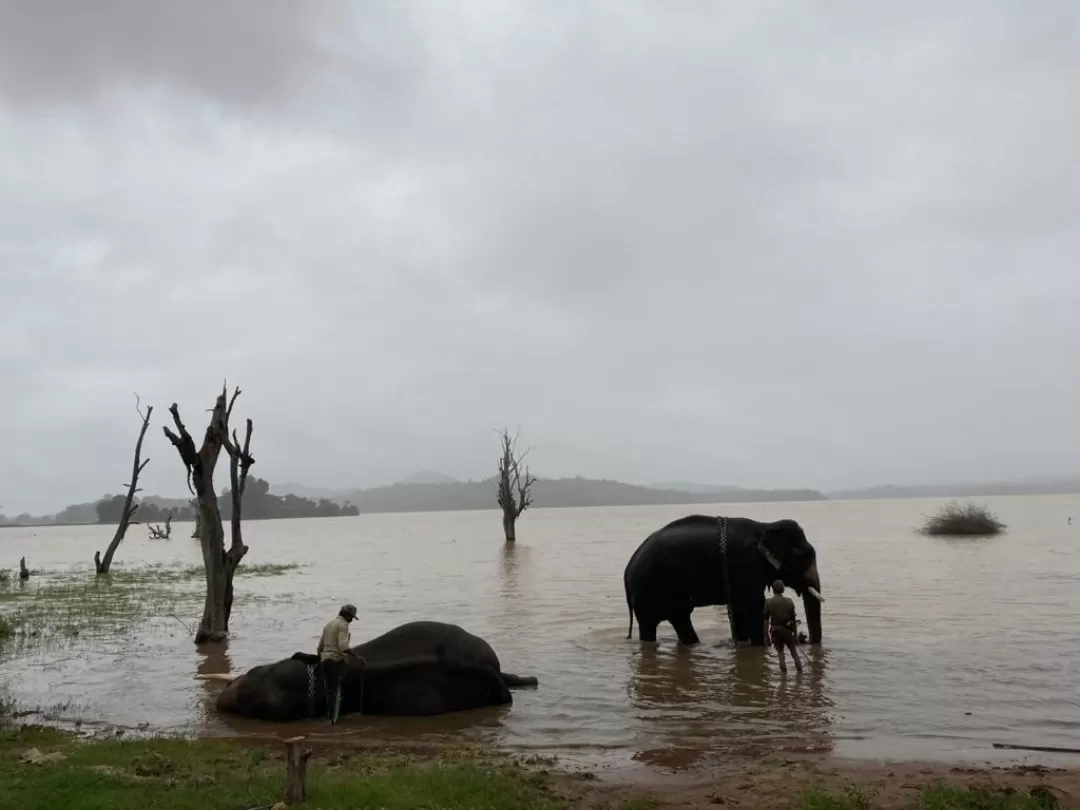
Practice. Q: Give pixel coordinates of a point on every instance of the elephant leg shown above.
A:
(684, 628)
(757, 628)
(647, 625)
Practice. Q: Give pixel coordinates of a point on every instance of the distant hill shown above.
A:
(301, 491)
(688, 486)
(1038, 486)
(428, 477)
(552, 493)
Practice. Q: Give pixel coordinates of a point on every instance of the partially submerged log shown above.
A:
(296, 762)
(1048, 748)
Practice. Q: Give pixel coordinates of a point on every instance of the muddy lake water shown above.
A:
(933, 649)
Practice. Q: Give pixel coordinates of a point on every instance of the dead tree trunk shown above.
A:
(515, 484)
(200, 466)
(24, 572)
(240, 462)
(103, 564)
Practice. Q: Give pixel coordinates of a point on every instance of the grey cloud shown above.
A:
(236, 51)
(743, 244)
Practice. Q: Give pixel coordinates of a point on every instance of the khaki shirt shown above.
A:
(335, 640)
(780, 611)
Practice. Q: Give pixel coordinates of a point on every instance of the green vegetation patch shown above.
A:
(54, 609)
(42, 770)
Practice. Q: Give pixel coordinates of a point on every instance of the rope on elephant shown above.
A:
(721, 525)
(311, 675)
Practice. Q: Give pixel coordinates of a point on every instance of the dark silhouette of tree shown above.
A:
(220, 565)
(515, 484)
(129, 507)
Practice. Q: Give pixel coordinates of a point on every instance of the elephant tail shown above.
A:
(519, 680)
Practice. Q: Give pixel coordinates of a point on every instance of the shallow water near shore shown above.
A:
(933, 648)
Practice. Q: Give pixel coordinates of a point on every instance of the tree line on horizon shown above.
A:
(259, 504)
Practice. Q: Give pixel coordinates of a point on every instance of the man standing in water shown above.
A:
(780, 625)
(333, 650)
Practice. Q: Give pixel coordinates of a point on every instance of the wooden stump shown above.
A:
(296, 762)
(24, 572)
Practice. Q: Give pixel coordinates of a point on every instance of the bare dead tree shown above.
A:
(103, 564)
(156, 532)
(220, 564)
(515, 483)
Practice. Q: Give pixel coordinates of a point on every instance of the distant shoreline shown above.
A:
(658, 497)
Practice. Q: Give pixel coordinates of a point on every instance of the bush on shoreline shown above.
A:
(962, 520)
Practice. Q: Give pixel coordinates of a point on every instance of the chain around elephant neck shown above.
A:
(311, 669)
(721, 525)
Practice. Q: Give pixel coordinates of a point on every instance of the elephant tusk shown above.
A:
(218, 676)
(815, 593)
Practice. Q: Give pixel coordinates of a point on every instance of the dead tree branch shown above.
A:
(515, 483)
(156, 532)
(103, 564)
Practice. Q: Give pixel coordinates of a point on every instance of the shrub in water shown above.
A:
(966, 520)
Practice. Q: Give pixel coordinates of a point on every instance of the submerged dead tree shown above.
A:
(156, 532)
(103, 564)
(220, 563)
(515, 484)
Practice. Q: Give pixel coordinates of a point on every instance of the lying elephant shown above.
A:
(418, 668)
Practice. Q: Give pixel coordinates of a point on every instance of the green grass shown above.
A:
(54, 609)
(938, 796)
(213, 775)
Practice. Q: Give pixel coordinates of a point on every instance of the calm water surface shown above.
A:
(933, 648)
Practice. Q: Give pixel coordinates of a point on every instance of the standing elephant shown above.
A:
(682, 566)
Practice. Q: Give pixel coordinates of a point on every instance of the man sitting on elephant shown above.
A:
(332, 651)
(780, 625)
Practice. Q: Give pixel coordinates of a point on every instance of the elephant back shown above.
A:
(428, 639)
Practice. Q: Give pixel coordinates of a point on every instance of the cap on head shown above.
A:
(778, 586)
(348, 611)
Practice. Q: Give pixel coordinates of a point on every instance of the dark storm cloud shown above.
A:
(744, 244)
(65, 50)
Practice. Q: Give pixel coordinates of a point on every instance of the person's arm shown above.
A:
(343, 642)
(766, 622)
(319, 649)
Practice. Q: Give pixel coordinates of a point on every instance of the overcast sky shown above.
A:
(764, 244)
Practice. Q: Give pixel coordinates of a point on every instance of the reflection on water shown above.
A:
(735, 701)
(933, 648)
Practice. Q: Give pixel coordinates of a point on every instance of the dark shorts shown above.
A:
(782, 636)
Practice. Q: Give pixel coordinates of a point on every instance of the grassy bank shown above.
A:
(41, 769)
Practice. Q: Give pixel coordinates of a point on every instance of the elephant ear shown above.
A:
(772, 547)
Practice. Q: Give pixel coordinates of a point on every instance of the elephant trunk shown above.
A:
(812, 599)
